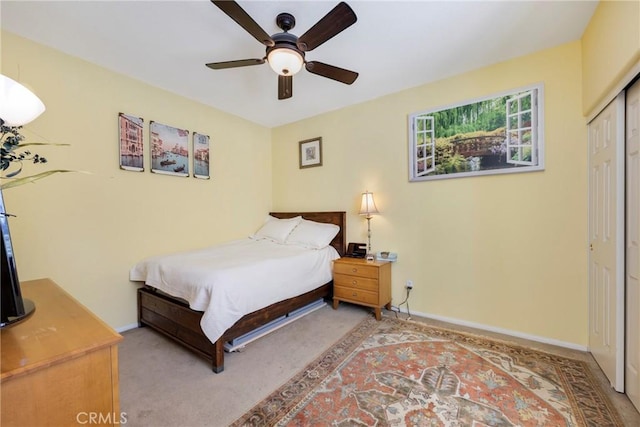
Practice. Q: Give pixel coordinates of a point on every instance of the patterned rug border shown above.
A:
(271, 408)
(510, 345)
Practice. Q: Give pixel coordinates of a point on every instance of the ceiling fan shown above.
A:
(285, 52)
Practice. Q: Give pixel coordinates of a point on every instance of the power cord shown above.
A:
(406, 301)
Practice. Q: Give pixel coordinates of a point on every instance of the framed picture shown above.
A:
(200, 156)
(131, 142)
(169, 149)
(502, 133)
(311, 153)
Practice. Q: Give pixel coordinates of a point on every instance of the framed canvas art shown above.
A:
(499, 134)
(131, 142)
(169, 149)
(201, 156)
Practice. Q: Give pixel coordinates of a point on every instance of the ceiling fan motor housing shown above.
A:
(286, 21)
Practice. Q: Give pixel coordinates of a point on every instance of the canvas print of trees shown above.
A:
(499, 134)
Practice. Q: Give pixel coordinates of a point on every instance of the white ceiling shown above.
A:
(394, 45)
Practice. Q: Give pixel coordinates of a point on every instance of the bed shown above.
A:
(173, 317)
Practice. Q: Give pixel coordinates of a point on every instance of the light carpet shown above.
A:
(162, 384)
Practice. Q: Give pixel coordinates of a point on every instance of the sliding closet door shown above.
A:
(606, 241)
(632, 280)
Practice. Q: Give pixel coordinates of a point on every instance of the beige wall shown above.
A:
(85, 231)
(505, 251)
(610, 50)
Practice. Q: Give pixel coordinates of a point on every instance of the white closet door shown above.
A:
(606, 241)
(632, 279)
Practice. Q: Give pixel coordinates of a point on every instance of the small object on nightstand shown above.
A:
(356, 250)
(362, 282)
(370, 257)
(387, 256)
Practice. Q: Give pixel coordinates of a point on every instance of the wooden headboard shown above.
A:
(338, 218)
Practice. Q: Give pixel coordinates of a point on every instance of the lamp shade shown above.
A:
(368, 206)
(18, 105)
(284, 61)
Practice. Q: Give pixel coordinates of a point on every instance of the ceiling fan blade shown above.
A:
(234, 64)
(235, 12)
(285, 87)
(339, 19)
(331, 72)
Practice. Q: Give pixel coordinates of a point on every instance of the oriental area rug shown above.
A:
(404, 373)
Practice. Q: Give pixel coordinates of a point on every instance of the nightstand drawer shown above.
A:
(359, 270)
(356, 295)
(358, 282)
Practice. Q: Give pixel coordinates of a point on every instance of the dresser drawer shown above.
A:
(355, 295)
(363, 283)
(356, 270)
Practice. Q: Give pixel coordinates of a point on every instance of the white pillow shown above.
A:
(313, 235)
(276, 229)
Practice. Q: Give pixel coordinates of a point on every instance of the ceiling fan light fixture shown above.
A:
(285, 61)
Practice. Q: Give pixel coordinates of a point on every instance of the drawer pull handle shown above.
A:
(354, 270)
(355, 282)
(355, 294)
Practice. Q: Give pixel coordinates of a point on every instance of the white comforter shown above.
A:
(232, 279)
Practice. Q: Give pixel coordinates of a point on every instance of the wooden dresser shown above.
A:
(59, 366)
(362, 282)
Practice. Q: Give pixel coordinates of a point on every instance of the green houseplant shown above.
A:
(14, 153)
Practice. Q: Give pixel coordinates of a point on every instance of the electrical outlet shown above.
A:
(409, 284)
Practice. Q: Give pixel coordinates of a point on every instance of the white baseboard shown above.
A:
(126, 328)
(516, 334)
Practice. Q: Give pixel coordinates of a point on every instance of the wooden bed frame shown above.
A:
(172, 316)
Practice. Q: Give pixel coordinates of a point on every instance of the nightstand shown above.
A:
(362, 282)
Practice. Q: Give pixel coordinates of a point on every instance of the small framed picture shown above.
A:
(311, 153)
(131, 153)
(200, 156)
